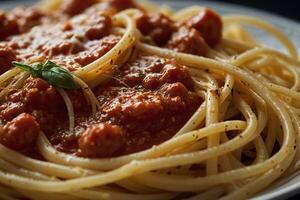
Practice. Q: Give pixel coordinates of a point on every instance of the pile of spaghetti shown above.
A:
(156, 103)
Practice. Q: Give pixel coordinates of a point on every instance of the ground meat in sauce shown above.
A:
(189, 36)
(74, 7)
(146, 103)
(35, 103)
(188, 40)
(98, 27)
(209, 24)
(101, 140)
(96, 49)
(20, 133)
(122, 4)
(131, 118)
(112, 7)
(152, 72)
(8, 26)
(21, 20)
(145, 116)
(7, 56)
(158, 26)
(74, 43)
(37, 98)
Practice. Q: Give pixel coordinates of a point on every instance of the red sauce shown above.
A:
(188, 40)
(20, 133)
(101, 140)
(74, 43)
(147, 100)
(191, 36)
(122, 4)
(209, 24)
(74, 7)
(113, 6)
(133, 116)
(21, 20)
(7, 56)
(158, 26)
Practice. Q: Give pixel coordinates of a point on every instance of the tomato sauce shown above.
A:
(139, 116)
(147, 100)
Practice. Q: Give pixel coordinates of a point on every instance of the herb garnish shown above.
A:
(50, 72)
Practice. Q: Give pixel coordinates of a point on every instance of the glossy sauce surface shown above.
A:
(147, 100)
(146, 103)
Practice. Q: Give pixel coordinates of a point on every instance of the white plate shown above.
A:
(290, 186)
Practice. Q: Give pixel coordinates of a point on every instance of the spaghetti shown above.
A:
(168, 108)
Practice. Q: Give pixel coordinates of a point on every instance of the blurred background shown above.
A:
(287, 8)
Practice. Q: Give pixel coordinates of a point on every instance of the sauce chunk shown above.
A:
(74, 7)
(7, 56)
(209, 24)
(158, 26)
(188, 40)
(21, 20)
(101, 140)
(20, 133)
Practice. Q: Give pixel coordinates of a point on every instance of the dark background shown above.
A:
(287, 8)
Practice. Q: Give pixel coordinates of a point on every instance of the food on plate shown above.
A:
(123, 99)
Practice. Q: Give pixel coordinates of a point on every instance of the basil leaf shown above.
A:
(39, 69)
(59, 77)
(50, 72)
(27, 68)
(48, 65)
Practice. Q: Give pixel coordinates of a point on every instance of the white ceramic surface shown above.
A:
(285, 188)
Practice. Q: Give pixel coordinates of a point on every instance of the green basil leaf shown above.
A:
(50, 72)
(48, 65)
(27, 68)
(39, 69)
(59, 77)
